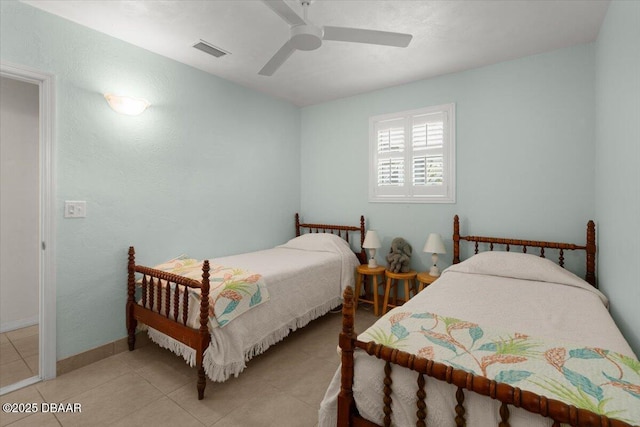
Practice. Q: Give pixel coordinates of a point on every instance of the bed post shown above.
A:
(297, 225)
(132, 323)
(346, 404)
(204, 329)
(456, 240)
(363, 254)
(591, 254)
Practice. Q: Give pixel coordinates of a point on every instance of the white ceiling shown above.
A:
(448, 36)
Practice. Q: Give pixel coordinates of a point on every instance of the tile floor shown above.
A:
(151, 386)
(18, 355)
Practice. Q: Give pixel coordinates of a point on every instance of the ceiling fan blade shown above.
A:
(278, 59)
(284, 11)
(345, 34)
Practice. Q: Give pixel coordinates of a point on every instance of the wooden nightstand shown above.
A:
(393, 280)
(377, 278)
(425, 279)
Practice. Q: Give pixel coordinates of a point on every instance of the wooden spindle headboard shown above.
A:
(339, 230)
(589, 248)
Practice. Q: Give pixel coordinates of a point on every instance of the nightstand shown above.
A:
(425, 279)
(376, 274)
(393, 281)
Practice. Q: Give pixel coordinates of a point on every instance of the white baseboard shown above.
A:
(18, 324)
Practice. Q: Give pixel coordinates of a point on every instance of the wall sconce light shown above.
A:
(126, 104)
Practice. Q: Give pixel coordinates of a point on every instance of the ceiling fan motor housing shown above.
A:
(306, 37)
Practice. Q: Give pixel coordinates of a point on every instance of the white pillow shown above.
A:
(323, 242)
(521, 266)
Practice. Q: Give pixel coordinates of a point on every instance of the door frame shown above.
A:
(47, 259)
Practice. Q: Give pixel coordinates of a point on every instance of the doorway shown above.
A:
(27, 285)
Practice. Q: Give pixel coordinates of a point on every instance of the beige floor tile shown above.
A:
(364, 319)
(24, 395)
(8, 353)
(168, 378)
(26, 346)
(307, 382)
(110, 401)
(23, 332)
(33, 362)
(162, 412)
(321, 344)
(83, 379)
(279, 410)
(11, 373)
(220, 398)
(3, 338)
(40, 420)
(140, 358)
(152, 386)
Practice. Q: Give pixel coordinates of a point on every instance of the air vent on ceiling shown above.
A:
(210, 49)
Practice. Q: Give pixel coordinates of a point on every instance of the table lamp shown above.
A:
(372, 242)
(435, 246)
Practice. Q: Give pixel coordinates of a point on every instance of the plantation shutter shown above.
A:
(391, 137)
(412, 156)
(427, 159)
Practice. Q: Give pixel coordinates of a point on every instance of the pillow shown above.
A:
(322, 242)
(522, 266)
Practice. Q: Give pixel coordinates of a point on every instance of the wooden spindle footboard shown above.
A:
(464, 381)
(162, 312)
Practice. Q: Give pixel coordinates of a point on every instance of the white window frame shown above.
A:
(407, 192)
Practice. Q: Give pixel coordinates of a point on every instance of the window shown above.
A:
(412, 156)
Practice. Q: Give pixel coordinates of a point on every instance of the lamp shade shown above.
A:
(371, 240)
(126, 104)
(434, 244)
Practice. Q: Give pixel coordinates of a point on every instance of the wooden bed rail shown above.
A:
(154, 309)
(589, 248)
(508, 395)
(336, 229)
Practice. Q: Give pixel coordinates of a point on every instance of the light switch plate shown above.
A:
(75, 209)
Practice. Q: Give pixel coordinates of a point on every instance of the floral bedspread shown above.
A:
(595, 379)
(232, 291)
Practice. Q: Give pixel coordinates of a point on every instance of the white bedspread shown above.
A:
(305, 279)
(515, 292)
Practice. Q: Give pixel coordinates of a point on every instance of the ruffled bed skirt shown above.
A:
(221, 372)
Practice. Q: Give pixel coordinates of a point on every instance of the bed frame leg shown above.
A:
(131, 340)
(202, 381)
(132, 323)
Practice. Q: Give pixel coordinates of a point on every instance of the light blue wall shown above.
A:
(617, 197)
(195, 173)
(526, 157)
(525, 153)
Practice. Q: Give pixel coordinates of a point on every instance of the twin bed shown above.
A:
(278, 290)
(502, 338)
(499, 339)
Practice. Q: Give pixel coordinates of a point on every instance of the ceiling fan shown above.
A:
(306, 36)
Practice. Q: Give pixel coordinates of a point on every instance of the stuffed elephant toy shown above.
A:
(399, 257)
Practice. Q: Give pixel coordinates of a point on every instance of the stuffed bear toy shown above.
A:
(399, 256)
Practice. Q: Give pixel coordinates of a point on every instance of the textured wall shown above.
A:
(211, 168)
(618, 164)
(525, 153)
